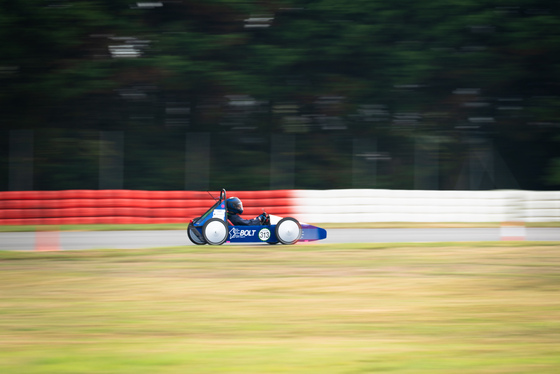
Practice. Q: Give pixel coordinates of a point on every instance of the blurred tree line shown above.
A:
(283, 93)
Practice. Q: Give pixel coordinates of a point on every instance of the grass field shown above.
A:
(360, 308)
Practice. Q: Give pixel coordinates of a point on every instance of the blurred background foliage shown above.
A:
(365, 94)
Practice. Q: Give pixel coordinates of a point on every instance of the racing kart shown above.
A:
(214, 228)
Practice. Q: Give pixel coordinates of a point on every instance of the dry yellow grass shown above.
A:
(451, 308)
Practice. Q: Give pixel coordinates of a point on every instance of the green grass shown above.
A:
(342, 225)
(313, 308)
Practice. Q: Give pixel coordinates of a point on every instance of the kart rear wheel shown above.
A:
(215, 231)
(192, 234)
(288, 231)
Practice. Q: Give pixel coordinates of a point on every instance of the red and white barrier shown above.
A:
(311, 206)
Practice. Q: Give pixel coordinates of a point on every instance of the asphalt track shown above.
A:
(65, 240)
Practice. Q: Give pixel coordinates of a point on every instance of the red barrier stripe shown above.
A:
(46, 204)
(21, 213)
(93, 203)
(77, 194)
(132, 206)
(266, 202)
(10, 195)
(274, 194)
(157, 203)
(29, 195)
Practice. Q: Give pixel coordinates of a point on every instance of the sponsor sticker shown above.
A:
(264, 234)
(236, 233)
(219, 213)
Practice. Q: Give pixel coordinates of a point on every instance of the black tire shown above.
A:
(192, 234)
(288, 230)
(215, 231)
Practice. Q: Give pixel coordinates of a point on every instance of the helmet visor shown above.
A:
(235, 205)
(239, 206)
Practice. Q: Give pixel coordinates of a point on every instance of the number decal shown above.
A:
(264, 234)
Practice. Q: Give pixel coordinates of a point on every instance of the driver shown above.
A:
(235, 207)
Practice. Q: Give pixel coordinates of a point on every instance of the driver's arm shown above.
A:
(238, 221)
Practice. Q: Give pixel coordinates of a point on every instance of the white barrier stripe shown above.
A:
(370, 205)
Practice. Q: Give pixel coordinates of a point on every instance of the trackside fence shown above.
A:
(312, 206)
(127, 206)
(372, 205)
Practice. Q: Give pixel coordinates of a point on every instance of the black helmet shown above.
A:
(234, 205)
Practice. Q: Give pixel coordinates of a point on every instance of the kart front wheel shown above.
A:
(194, 235)
(288, 231)
(215, 231)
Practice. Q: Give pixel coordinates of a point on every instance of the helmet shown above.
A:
(234, 205)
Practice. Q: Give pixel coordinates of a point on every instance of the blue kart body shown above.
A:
(213, 228)
(267, 234)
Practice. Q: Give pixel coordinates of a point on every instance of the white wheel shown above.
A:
(215, 231)
(288, 230)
